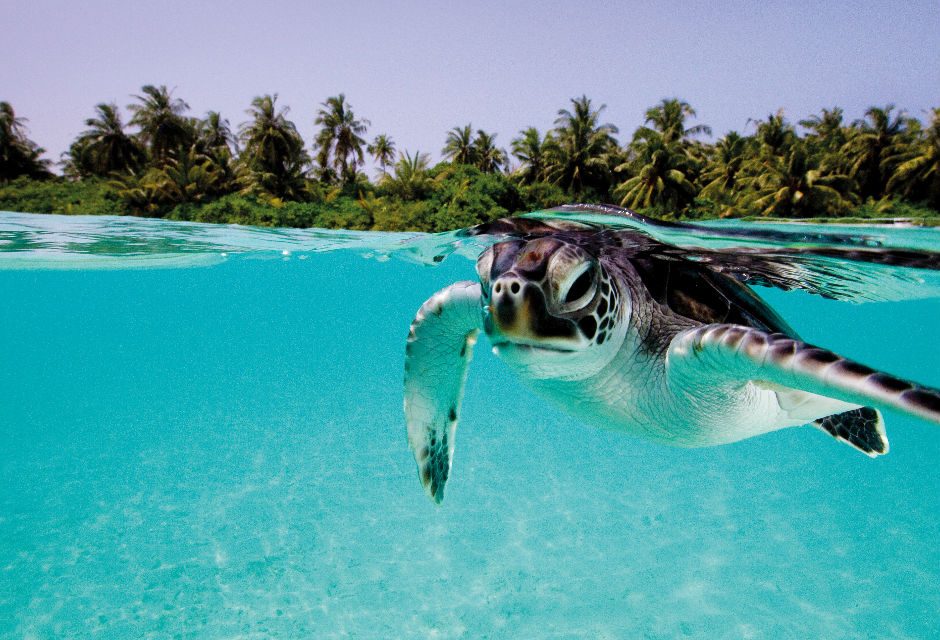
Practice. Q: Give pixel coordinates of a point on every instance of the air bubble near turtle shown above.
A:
(632, 334)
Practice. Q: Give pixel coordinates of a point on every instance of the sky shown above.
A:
(417, 69)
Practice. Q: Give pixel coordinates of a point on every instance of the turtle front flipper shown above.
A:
(440, 345)
(810, 383)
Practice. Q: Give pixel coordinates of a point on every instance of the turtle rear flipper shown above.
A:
(440, 345)
(862, 428)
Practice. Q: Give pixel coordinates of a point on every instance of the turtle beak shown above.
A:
(519, 312)
(509, 306)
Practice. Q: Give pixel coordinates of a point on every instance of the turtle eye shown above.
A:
(579, 292)
(579, 288)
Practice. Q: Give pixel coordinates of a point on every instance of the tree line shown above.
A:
(178, 166)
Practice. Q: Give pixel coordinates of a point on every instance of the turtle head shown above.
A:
(550, 307)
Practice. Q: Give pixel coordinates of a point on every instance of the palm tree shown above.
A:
(214, 134)
(916, 174)
(723, 174)
(410, 181)
(339, 144)
(382, 150)
(140, 191)
(162, 126)
(529, 149)
(668, 117)
(215, 141)
(11, 127)
(826, 128)
(269, 138)
(459, 147)
(775, 135)
(578, 157)
(273, 152)
(18, 154)
(104, 147)
(867, 146)
(190, 178)
(489, 159)
(660, 178)
(664, 162)
(794, 186)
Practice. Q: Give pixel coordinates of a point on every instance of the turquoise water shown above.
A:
(201, 436)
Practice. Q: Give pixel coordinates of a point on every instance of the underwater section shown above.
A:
(201, 436)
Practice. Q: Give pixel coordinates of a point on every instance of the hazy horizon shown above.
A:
(418, 69)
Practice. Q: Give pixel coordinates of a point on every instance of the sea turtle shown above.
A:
(632, 334)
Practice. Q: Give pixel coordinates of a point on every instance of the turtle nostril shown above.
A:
(514, 287)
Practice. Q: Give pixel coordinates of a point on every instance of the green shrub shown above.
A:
(82, 197)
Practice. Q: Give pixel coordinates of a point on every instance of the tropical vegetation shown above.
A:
(158, 160)
(19, 156)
